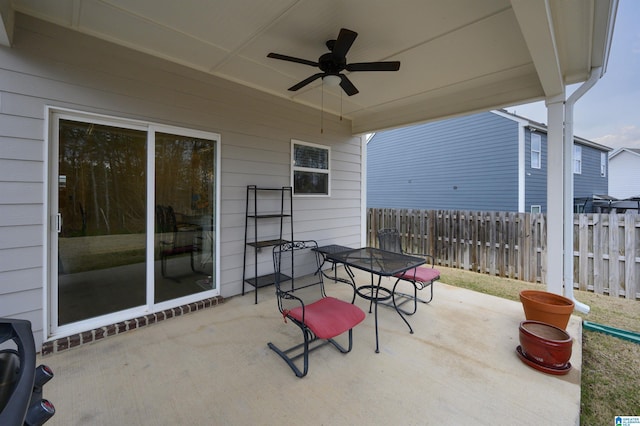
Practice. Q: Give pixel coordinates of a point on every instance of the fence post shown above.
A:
(598, 263)
(583, 251)
(432, 235)
(542, 234)
(614, 257)
(630, 276)
(525, 249)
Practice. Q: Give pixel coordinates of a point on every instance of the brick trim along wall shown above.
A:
(96, 334)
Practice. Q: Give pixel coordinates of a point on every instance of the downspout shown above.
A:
(568, 187)
(364, 143)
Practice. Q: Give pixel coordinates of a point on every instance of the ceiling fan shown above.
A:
(334, 62)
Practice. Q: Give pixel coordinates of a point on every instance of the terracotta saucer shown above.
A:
(539, 367)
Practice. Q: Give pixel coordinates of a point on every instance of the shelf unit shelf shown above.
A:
(267, 280)
(267, 216)
(266, 243)
(262, 218)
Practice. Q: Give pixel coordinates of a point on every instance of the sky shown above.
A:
(609, 113)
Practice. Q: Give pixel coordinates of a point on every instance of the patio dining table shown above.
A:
(323, 251)
(377, 262)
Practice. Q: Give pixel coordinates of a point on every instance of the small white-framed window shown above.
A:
(310, 169)
(603, 164)
(536, 151)
(577, 159)
(536, 208)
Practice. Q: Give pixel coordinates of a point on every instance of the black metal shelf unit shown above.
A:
(261, 203)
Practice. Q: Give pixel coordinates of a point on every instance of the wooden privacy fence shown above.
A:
(606, 248)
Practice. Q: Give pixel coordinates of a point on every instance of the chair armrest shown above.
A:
(287, 295)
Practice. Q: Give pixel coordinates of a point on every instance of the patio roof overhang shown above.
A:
(458, 56)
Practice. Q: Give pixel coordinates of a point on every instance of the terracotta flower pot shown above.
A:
(546, 307)
(545, 345)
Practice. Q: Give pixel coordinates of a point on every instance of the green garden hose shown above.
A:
(612, 331)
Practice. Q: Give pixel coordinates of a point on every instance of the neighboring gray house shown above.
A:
(624, 173)
(492, 161)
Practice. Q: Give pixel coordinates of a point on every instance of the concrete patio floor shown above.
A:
(213, 367)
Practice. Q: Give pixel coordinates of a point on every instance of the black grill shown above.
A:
(21, 383)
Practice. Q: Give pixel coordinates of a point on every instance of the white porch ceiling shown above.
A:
(457, 56)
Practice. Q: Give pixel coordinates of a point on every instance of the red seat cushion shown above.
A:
(423, 275)
(329, 317)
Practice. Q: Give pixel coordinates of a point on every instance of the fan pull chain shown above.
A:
(340, 105)
(322, 108)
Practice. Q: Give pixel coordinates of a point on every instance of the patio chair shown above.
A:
(321, 318)
(421, 277)
(175, 239)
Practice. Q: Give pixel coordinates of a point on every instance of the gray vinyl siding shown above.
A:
(419, 166)
(535, 179)
(586, 184)
(52, 66)
(468, 163)
(589, 182)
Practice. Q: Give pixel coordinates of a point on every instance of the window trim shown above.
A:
(538, 151)
(537, 207)
(577, 159)
(294, 168)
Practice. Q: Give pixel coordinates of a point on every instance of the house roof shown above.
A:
(541, 127)
(632, 151)
(457, 56)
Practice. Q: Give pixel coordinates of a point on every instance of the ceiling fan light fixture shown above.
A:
(332, 80)
(331, 64)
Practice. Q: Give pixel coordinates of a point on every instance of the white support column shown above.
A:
(521, 169)
(555, 194)
(364, 140)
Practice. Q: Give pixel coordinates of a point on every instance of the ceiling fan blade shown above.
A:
(347, 85)
(344, 42)
(306, 81)
(374, 66)
(292, 59)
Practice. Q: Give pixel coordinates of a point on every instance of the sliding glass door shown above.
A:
(134, 218)
(185, 208)
(101, 218)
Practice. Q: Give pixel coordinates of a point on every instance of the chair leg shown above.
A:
(430, 294)
(414, 297)
(409, 298)
(340, 347)
(284, 354)
(163, 265)
(293, 353)
(397, 307)
(193, 267)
